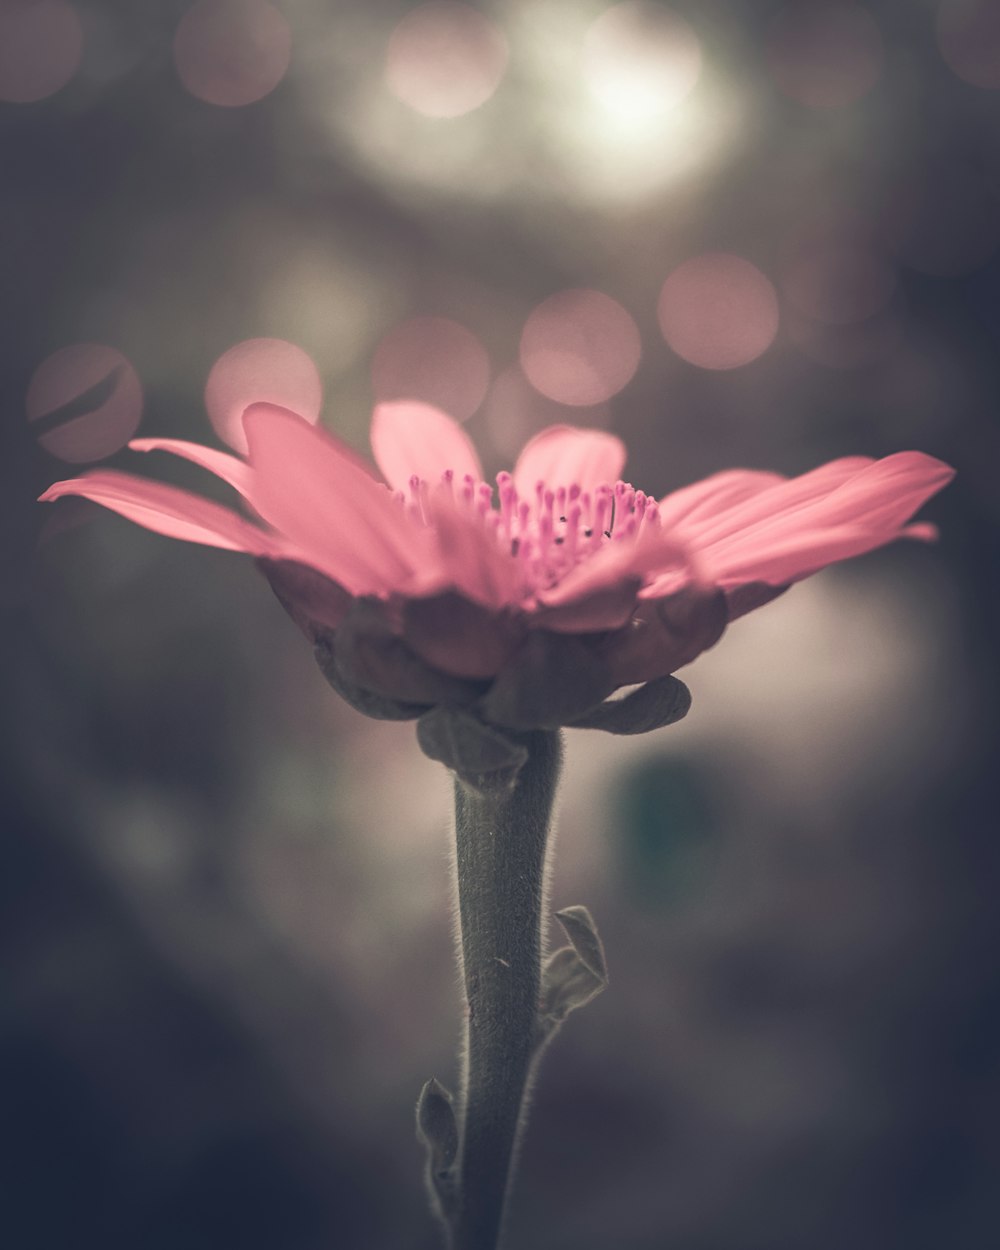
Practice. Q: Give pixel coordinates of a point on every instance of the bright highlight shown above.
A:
(445, 59)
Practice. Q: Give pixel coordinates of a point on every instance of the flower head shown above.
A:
(529, 600)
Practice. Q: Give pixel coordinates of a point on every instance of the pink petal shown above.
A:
(922, 531)
(230, 468)
(609, 607)
(865, 512)
(409, 437)
(310, 488)
(783, 498)
(886, 494)
(470, 559)
(170, 511)
(714, 495)
(790, 556)
(653, 555)
(563, 455)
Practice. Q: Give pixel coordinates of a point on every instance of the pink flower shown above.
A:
(535, 598)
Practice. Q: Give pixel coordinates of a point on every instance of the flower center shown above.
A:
(548, 533)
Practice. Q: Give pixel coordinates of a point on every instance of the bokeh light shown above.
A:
(640, 60)
(580, 347)
(85, 401)
(514, 411)
(232, 52)
(41, 44)
(262, 370)
(718, 311)
(825, 56)
(838, 282)
(433, 359)
(968, 33)
(445, 59)
(942, 221)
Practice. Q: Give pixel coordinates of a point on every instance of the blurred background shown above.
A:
(738, 235)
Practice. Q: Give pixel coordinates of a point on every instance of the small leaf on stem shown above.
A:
(572, 975)
(579, 926)
(437, 1129)
(436, 1125)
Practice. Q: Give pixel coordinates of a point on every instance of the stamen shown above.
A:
(418, 499)
(508, 500)
(585, 505)
(573, 532)
(544, 533)
(602, 507)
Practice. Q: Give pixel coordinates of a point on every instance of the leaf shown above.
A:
(660, 702)
(567, 983)
(436, 1126)
(438, 1130)
(579, 926)
(573, 975)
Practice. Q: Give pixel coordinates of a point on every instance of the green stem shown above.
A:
(501, 840)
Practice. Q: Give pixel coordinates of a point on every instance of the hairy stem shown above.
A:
(501, 842)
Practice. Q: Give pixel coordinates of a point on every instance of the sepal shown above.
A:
(482, 756)
(550, 681)
(314, 602)
(654, 705)
(370, 654)
(365, 701)
(456, 635)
